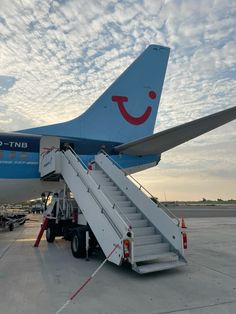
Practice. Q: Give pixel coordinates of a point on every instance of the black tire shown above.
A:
(11, 226)
(50, 233)
(78, 243)
(67, 234)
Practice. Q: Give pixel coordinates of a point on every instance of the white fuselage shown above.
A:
(18, 190)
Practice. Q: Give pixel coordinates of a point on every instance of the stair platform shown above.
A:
(150, 268)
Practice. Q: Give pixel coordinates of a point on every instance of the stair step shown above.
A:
(115, 193)
(150, 268)
(161, 257)
(105, 177)
(98, 171)
(133, 215)
(128, 209)
(148, 239)
(97, 175)
(107, 184)
(103, 181)
(150, 249)
(139, 223)
(110, 188)
(101, 174)
(119, 198)
(143, 231)
(124, 204)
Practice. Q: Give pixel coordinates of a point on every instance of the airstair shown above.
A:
(119, 212)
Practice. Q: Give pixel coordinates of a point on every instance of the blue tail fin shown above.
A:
(127, 109)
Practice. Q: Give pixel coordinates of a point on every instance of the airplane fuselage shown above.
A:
(19, 163)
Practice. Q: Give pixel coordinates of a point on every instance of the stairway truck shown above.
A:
(64, 217)
(108, 209)
(67, 220)
(72, 226)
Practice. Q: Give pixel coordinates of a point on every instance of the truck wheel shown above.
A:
(50, 234)
(78, 243)
(67, 234)
(11, 226)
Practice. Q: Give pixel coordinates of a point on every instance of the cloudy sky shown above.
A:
(58, 56)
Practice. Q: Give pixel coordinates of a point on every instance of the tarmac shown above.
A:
(197, 211)
(40, 280)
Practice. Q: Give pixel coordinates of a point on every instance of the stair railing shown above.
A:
(141, 187)
(94, 197)
(113, 201)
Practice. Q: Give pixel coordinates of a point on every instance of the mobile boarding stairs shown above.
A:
(119, 212)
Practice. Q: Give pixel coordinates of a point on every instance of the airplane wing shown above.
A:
(165, 140)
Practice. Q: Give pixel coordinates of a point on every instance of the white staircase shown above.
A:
(116, 209)
(157, 238)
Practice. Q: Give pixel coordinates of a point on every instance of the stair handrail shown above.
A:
(94, 197)
(140, 186)
(114, 203)
(78, 157)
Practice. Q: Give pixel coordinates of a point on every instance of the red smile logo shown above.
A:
(129, 118)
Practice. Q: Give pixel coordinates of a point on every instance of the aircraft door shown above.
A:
(48, 143)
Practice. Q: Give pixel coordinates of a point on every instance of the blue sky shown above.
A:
(57, 57)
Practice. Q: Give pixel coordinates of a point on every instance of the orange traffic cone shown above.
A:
(183, 226)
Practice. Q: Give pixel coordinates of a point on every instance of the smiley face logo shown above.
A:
(120, 100)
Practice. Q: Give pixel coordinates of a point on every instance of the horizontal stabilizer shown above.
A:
(165, 140)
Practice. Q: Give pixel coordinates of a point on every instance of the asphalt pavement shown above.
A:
(40, 280)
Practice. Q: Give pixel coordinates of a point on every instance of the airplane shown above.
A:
(121, 122)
